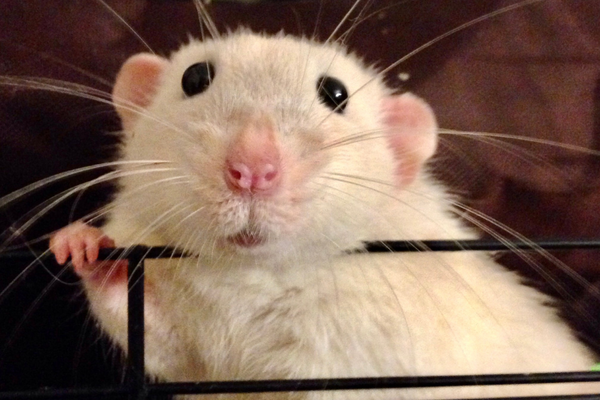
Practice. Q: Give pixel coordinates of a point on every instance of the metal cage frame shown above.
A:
(138, 388)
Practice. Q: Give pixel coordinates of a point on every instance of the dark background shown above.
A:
(531, 72)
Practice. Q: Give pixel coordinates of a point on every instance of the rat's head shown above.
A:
(272, 141)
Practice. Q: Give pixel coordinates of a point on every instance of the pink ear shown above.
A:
(412, 129)
(136, 85)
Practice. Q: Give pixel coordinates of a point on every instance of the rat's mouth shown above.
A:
(246, 238)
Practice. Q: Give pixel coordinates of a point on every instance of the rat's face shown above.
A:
(271, 141)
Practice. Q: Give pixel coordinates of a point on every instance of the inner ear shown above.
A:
(136, 85)
(411, 132)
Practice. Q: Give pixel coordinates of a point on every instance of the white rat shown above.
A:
(279, 156)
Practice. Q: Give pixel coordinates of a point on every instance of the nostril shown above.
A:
(267, 173)
(239, 175)
(235, 174)
(269, 176)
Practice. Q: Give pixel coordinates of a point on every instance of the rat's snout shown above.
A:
(253, 161)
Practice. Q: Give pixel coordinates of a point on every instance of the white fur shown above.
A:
(301, 307)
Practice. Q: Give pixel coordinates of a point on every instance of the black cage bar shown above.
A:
(137, 387)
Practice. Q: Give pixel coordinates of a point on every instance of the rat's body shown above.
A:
(268, 186)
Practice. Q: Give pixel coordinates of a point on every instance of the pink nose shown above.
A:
(253, 162)
(261, 176)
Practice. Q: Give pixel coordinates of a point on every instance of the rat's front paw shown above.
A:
(81, 242)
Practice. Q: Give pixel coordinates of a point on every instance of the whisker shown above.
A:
(564, 268)
(320, 87)
(443, 36)
(10, 198)
(430, 43)
(447, 267)
(85, 92)
(49, 204)
(497, 224)
(459, 176)
(148, 229)
(38, 261)
(395, 198)
(362, 178)
(527, 258)
(126, 24)
(521, 154)
(459, 28)
(58, 86)
(340, 41)
(355, 23)
(545, 254)
(378, 11)
(139, 237)
(205, 19)
(343, 20)
(560, 288)
(318, 20)
(548, 142)
(128, 196)
(354, 138)
(56, 60)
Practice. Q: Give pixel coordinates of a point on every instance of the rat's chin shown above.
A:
(245, 240)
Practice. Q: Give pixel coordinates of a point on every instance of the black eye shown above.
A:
(333, 93)
(197, 78)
